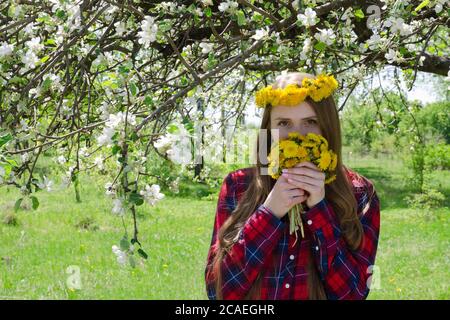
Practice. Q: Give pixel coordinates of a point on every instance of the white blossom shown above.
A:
(163, 144)
(392, 56)
(106, 137)
(98, 162)
(261, 34)
(174, 185)
(120, 28)
(151, 194)
(29, 29)
(24, 157)
(374, 41)
(61, 160)
(6, 49)
(55, 80)
(34, 44)
(110, 190)
(309, 18)
(30, 60)
(24, 125)
(398, 25)
(206, 47)
(46, 184)
(149, 29)
(421, 60)
(120, 255)
(207, 2)
(439, 5)
(306, 49)
(116, 119)
(326, 36)
(118, 207)
(228, 6)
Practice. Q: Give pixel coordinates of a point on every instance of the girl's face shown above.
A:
(301, 119)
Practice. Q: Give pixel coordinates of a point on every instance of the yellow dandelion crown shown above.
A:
(293, 94)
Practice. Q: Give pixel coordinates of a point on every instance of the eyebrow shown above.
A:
(312, 117)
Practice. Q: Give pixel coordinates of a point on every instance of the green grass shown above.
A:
(413, 253)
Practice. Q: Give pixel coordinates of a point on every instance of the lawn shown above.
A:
(413, 253)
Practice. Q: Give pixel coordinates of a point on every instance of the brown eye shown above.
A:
(283, 123)
(311, 121)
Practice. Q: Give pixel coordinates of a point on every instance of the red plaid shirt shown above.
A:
(344, 272)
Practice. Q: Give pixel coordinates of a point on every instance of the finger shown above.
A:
(295, 192)
(305, 186)
(307, 172)
(298, 200)
(312, 181)
(307, 164)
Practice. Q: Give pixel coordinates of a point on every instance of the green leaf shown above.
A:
(17, 205)
(136, 198)
(142, 253)
(320, 46)
(208, 12)
(257, 17)
(115, 149)
(43, 59)
(132, 261)
(359, 13)
(241, 18)
(46, 84)
(148, 101)
(172, 128)
(18, 80)
(124, 244)
(35, 202)
(5, 139)
(12, 162)
(165, 26)
(422, 5)
(61, 14)
(123, 70)
(50, 42)
(133, 89)
(134, 136)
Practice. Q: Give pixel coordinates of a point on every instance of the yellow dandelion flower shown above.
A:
(325, 160)
(330, 179)
(273, 171)
(333, 161)
(294, 135)
(290, 149)
(289, 163)
(301, 152)
(316, 152)
(308, 144)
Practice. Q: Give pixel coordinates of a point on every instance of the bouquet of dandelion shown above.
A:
(296, 149)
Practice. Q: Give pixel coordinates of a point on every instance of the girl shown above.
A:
(252, 253)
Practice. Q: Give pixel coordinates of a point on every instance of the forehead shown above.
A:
(301, 111)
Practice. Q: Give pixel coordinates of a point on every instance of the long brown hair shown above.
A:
(339, 193)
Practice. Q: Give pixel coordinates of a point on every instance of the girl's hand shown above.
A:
(283, 197)
(308, 177)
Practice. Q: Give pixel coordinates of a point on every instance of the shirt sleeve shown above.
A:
(247, 256)
(344, 272)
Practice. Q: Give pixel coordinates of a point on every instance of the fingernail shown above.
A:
(285, 170)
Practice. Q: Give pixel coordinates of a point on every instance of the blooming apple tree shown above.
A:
(98, 82)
